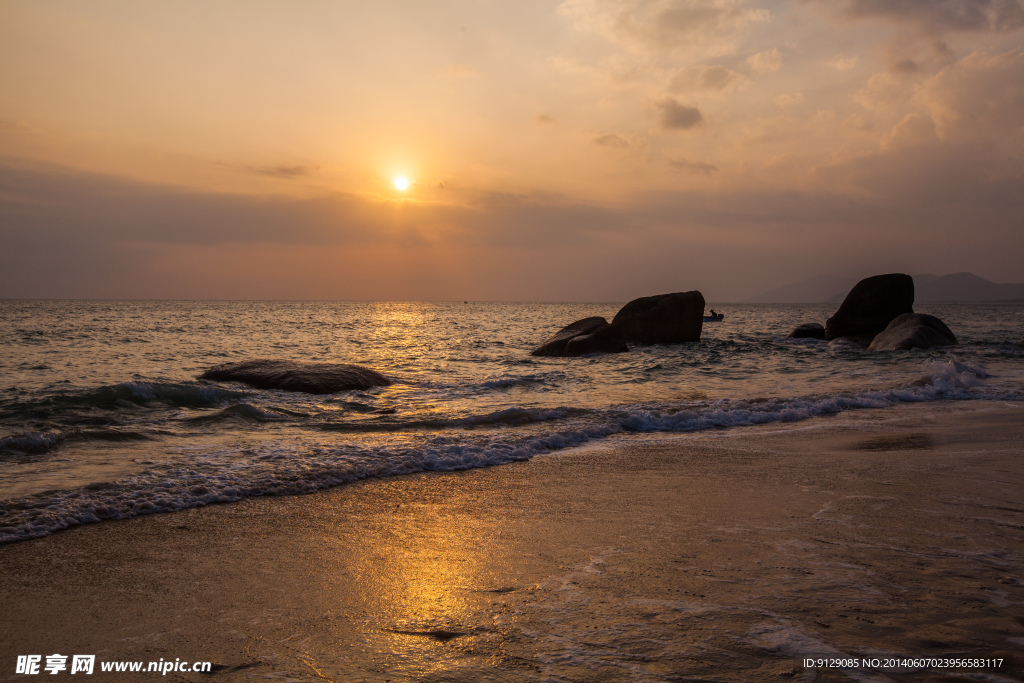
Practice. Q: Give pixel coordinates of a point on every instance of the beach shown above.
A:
(719, 555)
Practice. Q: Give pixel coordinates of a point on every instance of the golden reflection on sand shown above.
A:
(427, 577)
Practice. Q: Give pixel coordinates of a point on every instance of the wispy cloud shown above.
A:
(787, 100)
(693, 166)
(942, 15)
(282, 171)
(611, 140)
(708, 79)
(765, 62)
(459, 71)
(674, 25)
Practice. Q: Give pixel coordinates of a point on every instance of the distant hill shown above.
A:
(813, 290)
(963, 287)
(958, 287)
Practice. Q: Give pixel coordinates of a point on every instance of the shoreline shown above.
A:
(712, 555)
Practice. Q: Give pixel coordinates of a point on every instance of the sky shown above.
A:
(574, 150)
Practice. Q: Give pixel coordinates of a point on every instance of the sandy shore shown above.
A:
(723, 556)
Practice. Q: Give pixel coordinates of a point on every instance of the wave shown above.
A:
(537, 378)
(177, 395)
(79, 408)
(506, 416)
(39, 443)
(244, 412)
(292, 468)
(32, 443)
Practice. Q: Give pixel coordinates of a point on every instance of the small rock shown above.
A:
(808, 331)
(556, 343)
(849, 343)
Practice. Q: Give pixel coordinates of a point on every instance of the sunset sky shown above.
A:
(574, 150)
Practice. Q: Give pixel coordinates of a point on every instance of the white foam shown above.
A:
(291, 467)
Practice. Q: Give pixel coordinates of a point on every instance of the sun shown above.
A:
(401, 183)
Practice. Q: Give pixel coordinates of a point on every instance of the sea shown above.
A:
(102, 414)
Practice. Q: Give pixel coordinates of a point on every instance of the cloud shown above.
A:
(693, 166)
(282, 171)
(884, 91)
(765, 62)
(843, 63)
(913, 130)
(675, 116)
(459, 71)
(676, 25)
(789, 99)
(942, 15)
(102, 236)
(979, 96)
(10, 126)
(611, 140)
(710, 79)
(544, 118)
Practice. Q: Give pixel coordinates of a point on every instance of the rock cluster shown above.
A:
(662, 319)
(878, 314)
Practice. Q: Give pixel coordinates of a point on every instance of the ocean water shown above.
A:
(102, 415)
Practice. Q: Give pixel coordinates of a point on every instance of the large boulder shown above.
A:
(556, 343)
(913, 331)
(312, 378)
(661, 319)
(871, 305)
(808, 331)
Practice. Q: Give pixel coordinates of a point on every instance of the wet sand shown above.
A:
(722, 556)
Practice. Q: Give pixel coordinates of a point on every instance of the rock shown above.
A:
(604, 339)
(849, 343)
(871, 305)
(312, 378)
(661, 319)
(808, 331)
(556, 343)
(913, 331)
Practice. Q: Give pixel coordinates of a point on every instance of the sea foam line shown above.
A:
(287, 469)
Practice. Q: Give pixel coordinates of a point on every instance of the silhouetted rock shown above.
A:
(808, 331)
(871, 305)
(605, 339)
(913, 331)
(556, 343)
(661, 319)
(312, 378)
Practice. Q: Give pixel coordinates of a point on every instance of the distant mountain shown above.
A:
(966, 287)
(810, 291)
(958, 287)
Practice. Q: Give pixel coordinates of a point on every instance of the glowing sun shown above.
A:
(401, 183)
